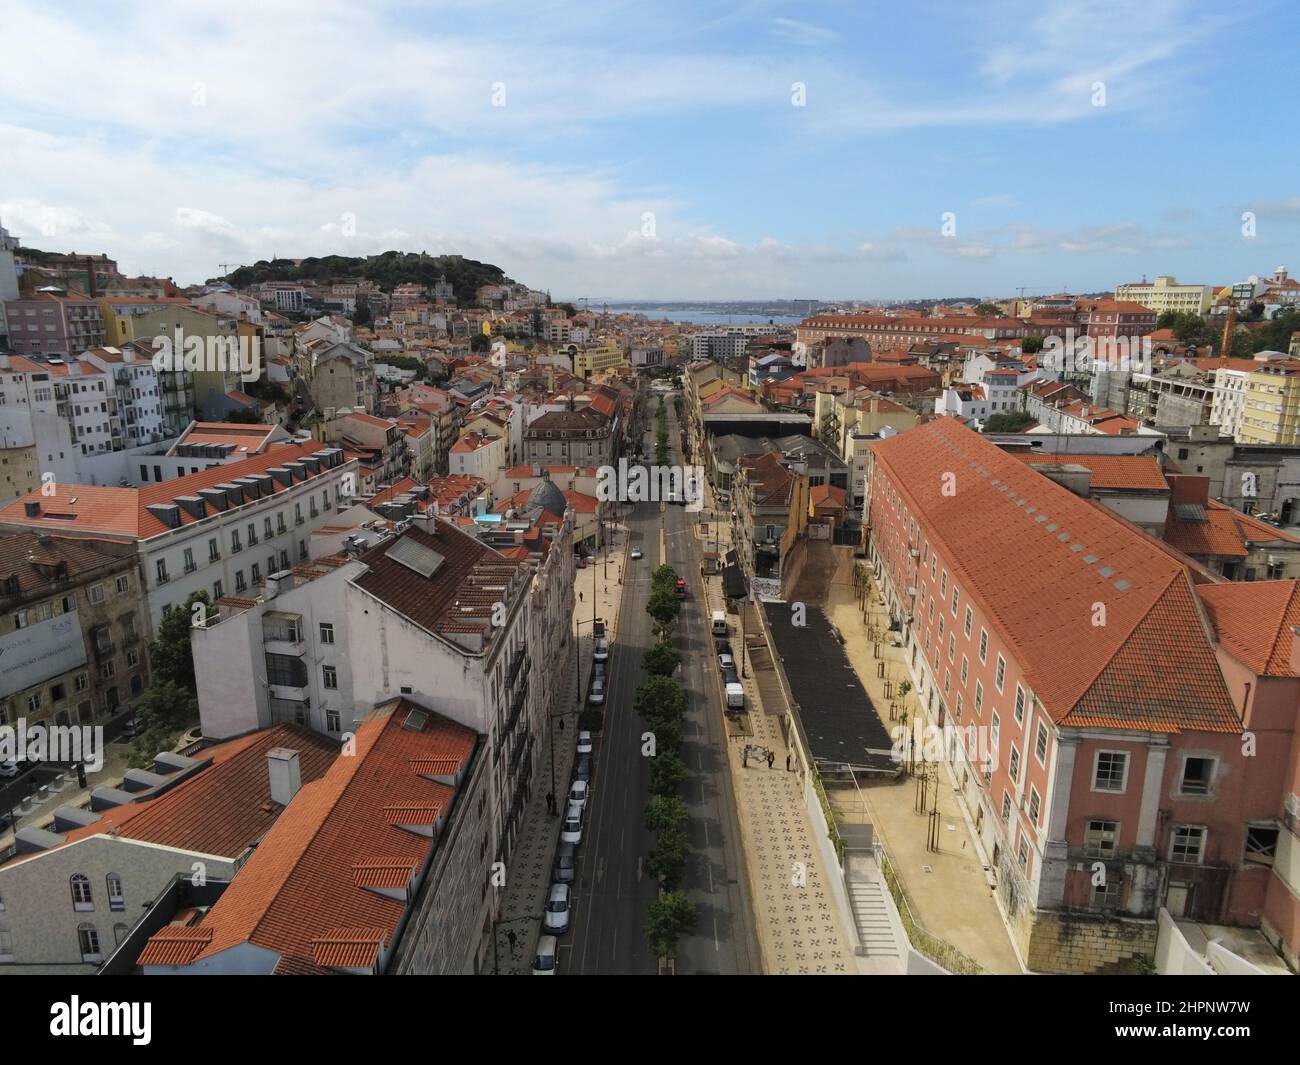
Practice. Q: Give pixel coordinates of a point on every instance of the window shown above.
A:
(943, 585)
(1001, 673)
(88, 937)
(216, 590)
(34, 702)
(297, 513)
(189, 560)
(1187, 844)
(82, 898)
(214, 552)
(1040, 744)
(252, 533)
(161, 569)
(119, 933)
(1110, 771)
(1006, 806)
(952, 646)
(965, 669)
(1101, 838)
(266, 527)
(326, 632)
(123, 584)
(1020, 704)
(82, 682)
(240, 584)
(333, 723)
(1261, 843)
(116, 900)
(286, 670)
(330, 678)
(1022, 855)
(235, 545)
(132, 658)
(1198, 776)
(979, 696)
(970, 619)
(257, 573)
(984, 645)
(1013, 765)
(279, 523)
(957, 711)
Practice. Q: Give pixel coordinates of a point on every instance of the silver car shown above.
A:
(584, 742)
(571, 830)
(556, 920)
(545, 963)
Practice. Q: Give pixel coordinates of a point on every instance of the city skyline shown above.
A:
(771, 151)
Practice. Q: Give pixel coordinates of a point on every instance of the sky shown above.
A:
(671, 150)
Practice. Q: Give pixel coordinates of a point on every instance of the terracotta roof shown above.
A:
(771, 483)
(298, 894)
(123, 512)
(58, 558)
(1038, 558)
(222, 809)
(1254, 621)
(827, 495)
(1138, 472)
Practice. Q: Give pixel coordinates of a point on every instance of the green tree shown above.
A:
(664, 578)
(667, 771)
(664, 608)
(671, 916)
(661, 660)
(361, 313)
(1031, 345)
(664, 812)
(1011, 421)
(989, 310)
(162, 712)
(667, 859)
(170, 657)
(660, 699)
(480, 342)
(245, 416)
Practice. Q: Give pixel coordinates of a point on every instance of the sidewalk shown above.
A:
(948, 889)
(528, 877)
(798, 928)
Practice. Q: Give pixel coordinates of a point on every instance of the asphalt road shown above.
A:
(613, 893)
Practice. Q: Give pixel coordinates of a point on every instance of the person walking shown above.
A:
(787, 761)
(511, 938)
(771, 757)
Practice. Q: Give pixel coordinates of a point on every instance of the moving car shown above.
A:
(680, 590)
(636, 553)
(556, 921)
(566, 864)
(571, 830)
(584, 742)
(546, 963)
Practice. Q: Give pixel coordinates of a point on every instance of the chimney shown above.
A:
(286, 778)
(32, 508)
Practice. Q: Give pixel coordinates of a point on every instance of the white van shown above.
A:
(719, 623)
(735, 697)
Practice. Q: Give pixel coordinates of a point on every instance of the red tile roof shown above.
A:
(1137, 472)
(1038, 558)
(298, 895)
(1254, 621)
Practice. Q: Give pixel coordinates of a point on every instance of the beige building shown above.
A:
(19, 472)
(1166, 294)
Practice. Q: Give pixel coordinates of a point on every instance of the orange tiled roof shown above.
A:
(1037, 558)
(1254, 621)
(1140, 472)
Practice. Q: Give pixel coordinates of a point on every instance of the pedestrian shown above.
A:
(771, 757)
(561, 724)
(744, 757)
(579, 597)
(787, 761)
(550, 802)
(511, 939)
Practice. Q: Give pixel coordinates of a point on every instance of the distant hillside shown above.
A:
(388, 270)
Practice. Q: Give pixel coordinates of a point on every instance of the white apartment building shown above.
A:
(1166, 294)
(227, 303)
(1229, 402)
(225, 529)
(478, 454)
(283, 656)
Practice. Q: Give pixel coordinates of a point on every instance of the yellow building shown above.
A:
(1271, 411)
(590, 361)
(1166, 294)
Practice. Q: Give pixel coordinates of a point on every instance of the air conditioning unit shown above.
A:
(915, 552)
(911, 592)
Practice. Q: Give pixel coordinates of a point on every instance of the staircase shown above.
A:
(871, 916)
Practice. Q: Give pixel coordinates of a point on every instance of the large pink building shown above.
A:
(1104, 769)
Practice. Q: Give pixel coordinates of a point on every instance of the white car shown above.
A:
(601, 653)
(556, 921)
(584, 742)
(725, 661)
(571, 830)
(636, 553)
(578, 794)
(545, 962)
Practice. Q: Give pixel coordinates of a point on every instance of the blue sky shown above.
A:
(642, 151)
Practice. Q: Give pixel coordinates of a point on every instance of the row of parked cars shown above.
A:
(559, 900)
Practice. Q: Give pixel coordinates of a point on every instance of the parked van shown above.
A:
(719, 623)
(735, 697)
